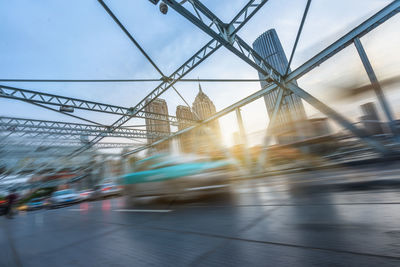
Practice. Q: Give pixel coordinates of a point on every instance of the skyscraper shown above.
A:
(287, 127)
(183, 113)
(158, 106)
(204, 108)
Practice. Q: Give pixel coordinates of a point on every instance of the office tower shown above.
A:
(158, 106)
(208, 136)
(183, 114)
(287, 127)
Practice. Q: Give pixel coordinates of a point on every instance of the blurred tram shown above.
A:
(177, 177)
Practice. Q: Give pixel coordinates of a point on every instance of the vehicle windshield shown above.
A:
(63, 192)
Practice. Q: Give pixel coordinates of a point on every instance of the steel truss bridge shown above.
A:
(222, 34)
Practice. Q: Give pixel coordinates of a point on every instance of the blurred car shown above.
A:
(110, 189)
(3, 206)
(182, 177)
(86, 195)
(106, 190)
(36, 203)
(22, 207)
(64, 197)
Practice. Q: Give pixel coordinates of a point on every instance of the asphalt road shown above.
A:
(343, 217)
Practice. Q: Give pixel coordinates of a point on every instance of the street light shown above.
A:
(163, 6)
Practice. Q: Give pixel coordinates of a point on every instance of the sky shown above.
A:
(77, 39)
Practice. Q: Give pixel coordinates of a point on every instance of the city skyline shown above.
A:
(81, 49)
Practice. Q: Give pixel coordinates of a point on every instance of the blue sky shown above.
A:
(76, 39)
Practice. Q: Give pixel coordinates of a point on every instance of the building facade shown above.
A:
(287, 127)
(158, 106)
(183, 113)
(207, 137)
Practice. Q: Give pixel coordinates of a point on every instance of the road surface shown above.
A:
(342, 217)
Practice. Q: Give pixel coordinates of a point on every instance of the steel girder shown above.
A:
(362, 29)
(30, 149)
(239, 21)
(65, 143)
(63, 101)
(9, 124)
(47, 136)
(368, 25)
(219, 31)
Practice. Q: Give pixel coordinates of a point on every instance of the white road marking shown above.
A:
(75, 209)
(128, 210)
(206, 187)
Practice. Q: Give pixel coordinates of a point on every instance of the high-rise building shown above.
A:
(183, 114)
(287, 127)
(204, 108)
(158, 106)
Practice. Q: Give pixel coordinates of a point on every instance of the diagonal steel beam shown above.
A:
(235, 44)
(239, 21)
(303, 19)
(376, 86)
(221, 113)
(130, 36)
(362, 29)
(271, 125)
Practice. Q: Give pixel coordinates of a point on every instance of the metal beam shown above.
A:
(362, 29)
(67, 143)
(268, 134)
(125, 80)
(375, 85)
(240, 48)
(130, 36)
(223, 112)
(75, 103)
(10, 124)
(303, 19)
(239, 21)
(243, 139)
(47, 136)
(368, 25)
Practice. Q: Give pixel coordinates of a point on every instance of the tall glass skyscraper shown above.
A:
(287, 127)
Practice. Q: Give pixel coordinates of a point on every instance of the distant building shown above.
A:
(208, 136)
(158, 106)
(183, 114)
(370, 119)
(287, 127)
(319, 127)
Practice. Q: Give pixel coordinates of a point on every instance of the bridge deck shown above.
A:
(338, 218)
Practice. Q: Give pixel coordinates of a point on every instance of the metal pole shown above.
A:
(243, 138)
(375, 84)
(267, 138)
(298, 35)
